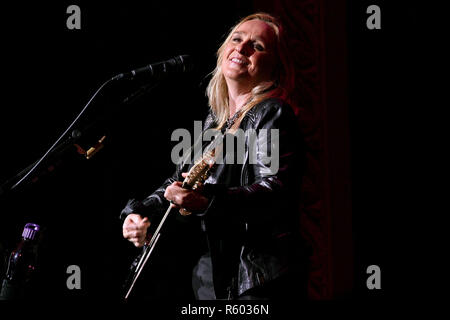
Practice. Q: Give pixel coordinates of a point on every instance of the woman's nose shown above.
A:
(242, 48)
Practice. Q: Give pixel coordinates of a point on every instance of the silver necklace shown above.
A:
(233, 119)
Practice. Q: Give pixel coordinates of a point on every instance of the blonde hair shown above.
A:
(281, 86)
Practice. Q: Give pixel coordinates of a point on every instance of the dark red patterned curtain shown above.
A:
(318, 43)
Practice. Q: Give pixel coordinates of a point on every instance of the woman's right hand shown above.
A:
(134, 229)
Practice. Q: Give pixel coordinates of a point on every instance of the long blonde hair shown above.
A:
(281, 86)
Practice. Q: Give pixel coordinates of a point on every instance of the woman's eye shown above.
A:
(236, 39)
(258, 47)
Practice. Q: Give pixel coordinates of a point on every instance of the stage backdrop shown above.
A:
(352, 93)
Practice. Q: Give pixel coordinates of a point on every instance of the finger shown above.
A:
(126, 234)
(129, 232)
(134, 241)
(171, 190)
(130, 227)
(184, 174)
(142, 239)
(134, 218)
(136, 234)
(145, 223)
(137, 239)
(199, 187)
(137, 243)
(173, 205)
(166, 193)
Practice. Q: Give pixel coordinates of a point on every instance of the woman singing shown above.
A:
(246, 211)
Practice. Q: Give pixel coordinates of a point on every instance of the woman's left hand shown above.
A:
(190, 200)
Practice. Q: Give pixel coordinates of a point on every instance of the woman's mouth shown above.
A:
(238, 61)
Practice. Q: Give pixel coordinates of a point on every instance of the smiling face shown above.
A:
(248, 56)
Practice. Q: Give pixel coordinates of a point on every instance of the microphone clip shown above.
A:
(92, 150)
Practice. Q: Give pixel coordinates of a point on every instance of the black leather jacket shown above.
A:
(252, 226)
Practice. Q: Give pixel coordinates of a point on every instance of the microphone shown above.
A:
(182, 63)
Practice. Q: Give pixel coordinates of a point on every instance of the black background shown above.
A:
(51, 72)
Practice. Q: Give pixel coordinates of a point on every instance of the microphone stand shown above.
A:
(53, 157)
(179, 63)
(11, 184)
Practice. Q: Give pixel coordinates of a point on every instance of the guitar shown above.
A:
(195, 177)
